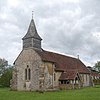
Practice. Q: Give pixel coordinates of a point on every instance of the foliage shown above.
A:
(88, 93)
(97, 65)
(3, 65)
(6, 77)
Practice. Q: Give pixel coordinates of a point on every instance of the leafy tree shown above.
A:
(97, 66)
(3, 65)
(6, 77)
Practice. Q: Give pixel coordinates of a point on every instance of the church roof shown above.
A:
(32, 32)
(95, 74)
(63, 62)
(68, 75)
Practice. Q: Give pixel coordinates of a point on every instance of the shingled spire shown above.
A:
(32, 39)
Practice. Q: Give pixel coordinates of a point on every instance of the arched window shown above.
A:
(27, 73)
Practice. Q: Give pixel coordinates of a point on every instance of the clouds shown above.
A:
(66, 26)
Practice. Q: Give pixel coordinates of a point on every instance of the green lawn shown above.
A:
(89, 93)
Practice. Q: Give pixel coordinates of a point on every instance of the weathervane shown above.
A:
(32, 14)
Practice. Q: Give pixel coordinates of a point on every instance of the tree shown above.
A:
(97, 66)
(6, 77)
(3, 65)
(5, 73)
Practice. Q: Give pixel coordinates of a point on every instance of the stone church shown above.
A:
(38, 69)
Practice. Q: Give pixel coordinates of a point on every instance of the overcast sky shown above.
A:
(71, 27)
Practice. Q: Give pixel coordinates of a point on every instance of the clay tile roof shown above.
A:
(68, 75)
(95, 74)
(63, 62)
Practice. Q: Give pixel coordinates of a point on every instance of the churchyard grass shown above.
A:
(87, 93)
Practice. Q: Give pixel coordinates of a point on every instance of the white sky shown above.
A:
(71, 27)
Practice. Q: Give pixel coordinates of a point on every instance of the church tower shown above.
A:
(32, 39)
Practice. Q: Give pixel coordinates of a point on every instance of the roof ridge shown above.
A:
(60, 54)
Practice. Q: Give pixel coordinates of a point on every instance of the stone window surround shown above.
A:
(27, 73)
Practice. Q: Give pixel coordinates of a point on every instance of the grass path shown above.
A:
(89, 93)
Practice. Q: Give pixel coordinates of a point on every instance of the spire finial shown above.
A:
(32, 14)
